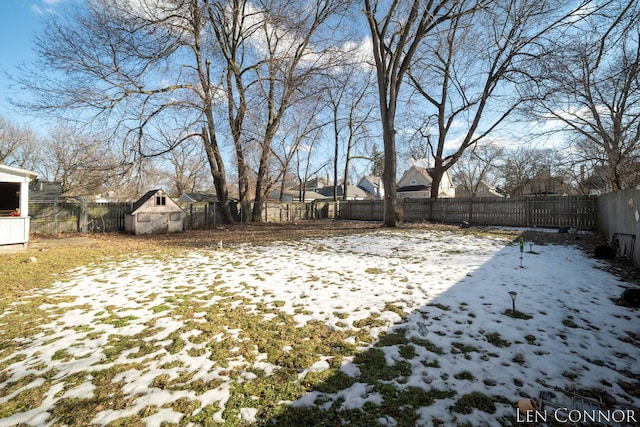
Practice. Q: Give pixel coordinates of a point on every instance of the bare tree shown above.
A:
(590, 86)
(351, 114)
(397, 33)
(18, 145)
(299, 46)
(272, 49)
(130, 66)
(187, 169)
(77, 161)
(469, 73)
(303, 130)
(476, 166)
(523, 167)
(235, 25)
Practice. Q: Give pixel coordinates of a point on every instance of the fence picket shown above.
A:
(72, 215)
(572, 211)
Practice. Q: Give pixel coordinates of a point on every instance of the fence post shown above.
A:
(55, 217)
(84, 216)
(527, 212)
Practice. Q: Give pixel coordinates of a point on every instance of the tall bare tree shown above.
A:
(235, 24)
(130, 66)
(272, 50)
(348, 96)
(469, 72)
(299, 43)
(398, 29)
(590, 86)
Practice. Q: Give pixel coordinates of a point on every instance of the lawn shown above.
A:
(376, 327)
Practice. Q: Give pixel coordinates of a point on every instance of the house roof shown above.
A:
(142, 200)
(198, 197)
(410, 188)
(352, 191)
(42, 191)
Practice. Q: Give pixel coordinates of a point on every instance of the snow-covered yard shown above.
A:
(408, 327)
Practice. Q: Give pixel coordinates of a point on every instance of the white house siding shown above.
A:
(15, 229)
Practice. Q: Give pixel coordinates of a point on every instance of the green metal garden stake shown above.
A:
(521, 251)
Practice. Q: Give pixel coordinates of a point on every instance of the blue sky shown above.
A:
(20, 21)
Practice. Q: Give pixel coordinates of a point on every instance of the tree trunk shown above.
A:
(217, 170)
(389, 174)
(262, 186)
(436, 176)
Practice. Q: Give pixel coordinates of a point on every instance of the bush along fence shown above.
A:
(570, 211)
(76, 215)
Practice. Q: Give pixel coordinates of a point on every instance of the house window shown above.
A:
(161, 200)
(414, 182)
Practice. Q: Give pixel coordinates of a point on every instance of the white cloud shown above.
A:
(37, 10)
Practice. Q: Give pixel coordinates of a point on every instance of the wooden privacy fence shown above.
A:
(73, 215)
(568, 211)
(77, 215)
(298, 211)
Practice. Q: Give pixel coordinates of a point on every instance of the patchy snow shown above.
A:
(453, 288)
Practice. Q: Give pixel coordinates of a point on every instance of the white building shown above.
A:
(14, 205)
(155, 213)
(416, 184)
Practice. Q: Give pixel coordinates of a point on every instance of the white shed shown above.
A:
(155, 213)
(14, 205)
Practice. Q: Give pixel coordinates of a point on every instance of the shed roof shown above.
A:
(9, 171)
(148, 195)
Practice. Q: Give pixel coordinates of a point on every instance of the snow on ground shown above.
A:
(453, 288)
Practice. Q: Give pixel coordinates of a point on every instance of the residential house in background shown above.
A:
(155, 213)
(372, 185)
(294, 195)
(416, 184)
(546, 184)
(353, 192)
(484, 190)
(45, 191)
(14, 205)
(315, 184)
(197, 198)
